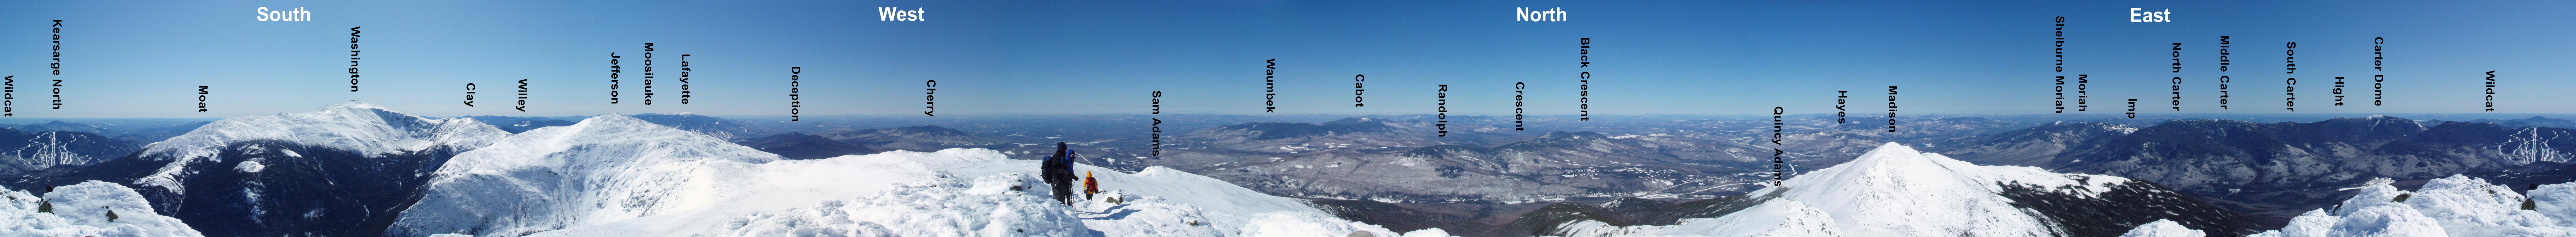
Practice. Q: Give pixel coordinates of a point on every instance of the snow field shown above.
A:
(83, 210)
(614, 175)
(2452, 206)
(2163, 228)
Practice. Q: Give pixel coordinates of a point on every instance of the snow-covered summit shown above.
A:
(363, 128)
(1897, 191)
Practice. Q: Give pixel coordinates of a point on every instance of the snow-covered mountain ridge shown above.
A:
(353, 126)
(605, 168)
(1897, 191)
(613, 175)
(2274, 171)
(342, 170)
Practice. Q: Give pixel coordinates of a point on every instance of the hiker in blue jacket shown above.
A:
(1058, 172)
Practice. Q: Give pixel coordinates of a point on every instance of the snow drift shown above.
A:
(2453, 206)
(618, 176)
(2162, 228)
(91, 208)
(1778, 218)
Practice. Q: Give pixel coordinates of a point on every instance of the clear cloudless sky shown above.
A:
(146, 59)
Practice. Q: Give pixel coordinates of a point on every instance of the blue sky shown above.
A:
(131, 59)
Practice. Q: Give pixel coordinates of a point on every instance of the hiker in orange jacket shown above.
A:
(1089, 185)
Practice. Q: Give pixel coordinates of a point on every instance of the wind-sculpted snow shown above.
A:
(949, 205)
(617, 176)
(91, 208)
(2162, 228)
(2453, 206)
(1779, 218)
(977, 192)
(353, 126)
(946, 206)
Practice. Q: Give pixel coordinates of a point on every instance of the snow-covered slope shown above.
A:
(358, 127)
(603, 169)
(617, 176)
(91, 208)
(2162, 228)
(2453, 206)
(1896, 191)
(342, 170)
(1777, 218)
(24, 153)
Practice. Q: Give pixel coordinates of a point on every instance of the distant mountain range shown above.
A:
(343, 170)
(1895, 191)
(798, 146)
(1408, 160)
(2274, 170)
(914, 138)
(2533, 121)
(40, 153)
(133, 133)
(516, 125)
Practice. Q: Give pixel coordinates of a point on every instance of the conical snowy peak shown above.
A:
(1896, 191)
